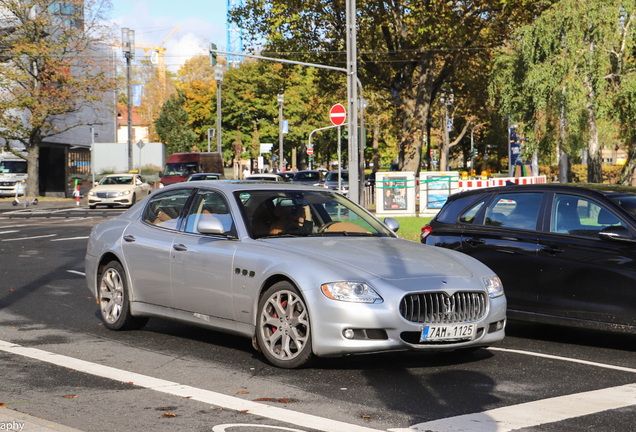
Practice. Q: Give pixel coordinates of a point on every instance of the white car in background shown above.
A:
(118, 189)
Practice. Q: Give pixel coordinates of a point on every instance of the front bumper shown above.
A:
(381, 327)
(122, 200)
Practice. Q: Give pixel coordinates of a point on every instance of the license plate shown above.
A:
(108, 200)
(448, 332)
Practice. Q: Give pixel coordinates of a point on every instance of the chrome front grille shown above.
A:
(440, 308)
(108, 194)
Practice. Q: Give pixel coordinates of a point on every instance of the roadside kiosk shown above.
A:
(435, 188)
(395, 194)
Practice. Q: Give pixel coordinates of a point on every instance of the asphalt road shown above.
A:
(58, 364)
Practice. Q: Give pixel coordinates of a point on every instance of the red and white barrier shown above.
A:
(500, 181)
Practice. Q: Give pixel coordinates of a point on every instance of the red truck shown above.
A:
(181, 165)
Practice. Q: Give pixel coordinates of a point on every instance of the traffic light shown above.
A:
(473, 153)
(212, 54)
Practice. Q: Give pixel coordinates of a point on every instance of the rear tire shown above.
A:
(113, 299)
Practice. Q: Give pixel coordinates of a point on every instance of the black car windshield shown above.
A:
(277, 213)
(626, 201)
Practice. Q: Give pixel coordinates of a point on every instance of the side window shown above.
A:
(164, 210)
(514, 210)
(580, 216)
(208, 204)
(469, 215)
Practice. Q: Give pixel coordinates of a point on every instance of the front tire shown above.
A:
(283, 329)
(133, 200)
(114, 305)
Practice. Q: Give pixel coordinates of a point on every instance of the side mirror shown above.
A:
(160, 175)
(96, 183)
(616, 233)
(392, 224)
(210, 225)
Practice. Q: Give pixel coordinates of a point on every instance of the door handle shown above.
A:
(129, 238)
(475, 241)
(179, 247)
(551, 250)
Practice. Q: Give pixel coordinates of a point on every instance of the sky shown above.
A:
(200, 22)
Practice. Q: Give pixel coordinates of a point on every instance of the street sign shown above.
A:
(140, 144)
(310, 151)
(337, 114)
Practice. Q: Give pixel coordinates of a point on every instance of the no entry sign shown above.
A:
(310, 151)
(337, 114)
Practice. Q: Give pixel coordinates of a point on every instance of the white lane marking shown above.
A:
(568, 359)
(70, 238)
(76, 272)
(14, 226)
(230, 402)
(9, 232)
(224, 427)
(29, 238)
(534, 413)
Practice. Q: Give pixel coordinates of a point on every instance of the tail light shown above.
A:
(426, 231)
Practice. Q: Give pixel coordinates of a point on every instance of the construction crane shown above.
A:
(161, 55)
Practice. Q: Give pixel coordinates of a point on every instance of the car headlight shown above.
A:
(357, 292)
(494, 286)
(126, 192)
(91, 193)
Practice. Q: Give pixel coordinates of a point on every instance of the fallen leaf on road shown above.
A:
(244, 411)
(243, 392)
(3, 405)
(70, 396)
(10, 290)
(169, 415)
(365, 416)
(264, 400)
(283, 400)
(130, 383)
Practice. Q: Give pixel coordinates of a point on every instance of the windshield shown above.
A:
(180, 168)
(117, 180)
(333, 176)
(275, 213)
(13, 167)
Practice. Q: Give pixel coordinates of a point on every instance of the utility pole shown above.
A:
(218, 75)
(128, 42)
(352, 95)
(281, 101)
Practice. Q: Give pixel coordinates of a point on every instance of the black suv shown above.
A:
(565, 254)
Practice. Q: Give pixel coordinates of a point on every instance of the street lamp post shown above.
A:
(218, 76)
(128, 43)
(281, 100)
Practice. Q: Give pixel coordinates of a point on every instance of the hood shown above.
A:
(101, 188)
(385, 258)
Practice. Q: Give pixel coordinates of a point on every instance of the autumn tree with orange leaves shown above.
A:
(54, 72)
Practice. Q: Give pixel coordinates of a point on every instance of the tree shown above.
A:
(408, 49)
(567, 71)
(173, 125)
(55, 67)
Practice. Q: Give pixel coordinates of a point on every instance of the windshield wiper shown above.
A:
(280, 236)
(342, 233)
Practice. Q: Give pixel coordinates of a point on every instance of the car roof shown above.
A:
(593, 189)
(230, 186)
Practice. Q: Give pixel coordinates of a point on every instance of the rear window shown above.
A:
(452, 208)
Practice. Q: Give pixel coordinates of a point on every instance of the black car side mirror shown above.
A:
(616, 233)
